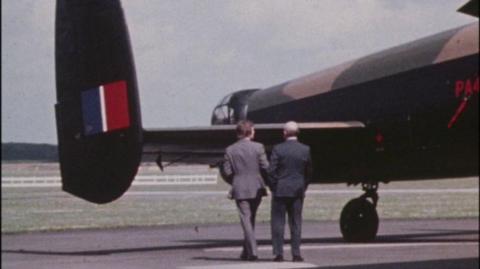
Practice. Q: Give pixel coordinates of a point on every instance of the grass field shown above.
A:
(48, 208)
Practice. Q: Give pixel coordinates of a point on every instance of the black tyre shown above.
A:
(359, 221)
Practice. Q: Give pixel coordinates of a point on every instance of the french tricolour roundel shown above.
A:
(105, 108)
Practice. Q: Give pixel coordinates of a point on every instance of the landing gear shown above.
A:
(359, 218)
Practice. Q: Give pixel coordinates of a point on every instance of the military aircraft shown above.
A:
(406, 113)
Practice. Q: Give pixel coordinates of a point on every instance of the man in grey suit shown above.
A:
(290, 172)
(245, 168)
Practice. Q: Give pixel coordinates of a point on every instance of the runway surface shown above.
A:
(429, 243)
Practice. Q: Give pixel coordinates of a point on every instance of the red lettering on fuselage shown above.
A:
(459, 86)
(467, 87)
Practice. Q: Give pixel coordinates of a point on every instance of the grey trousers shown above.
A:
(293, 207)
(248, 211)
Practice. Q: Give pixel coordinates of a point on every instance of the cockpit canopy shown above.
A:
(232, 108)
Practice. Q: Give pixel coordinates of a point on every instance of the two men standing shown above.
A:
(247, 169)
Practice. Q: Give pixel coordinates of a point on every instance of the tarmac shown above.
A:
(422, 243)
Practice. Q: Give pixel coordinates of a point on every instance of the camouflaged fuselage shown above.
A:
(419, 102)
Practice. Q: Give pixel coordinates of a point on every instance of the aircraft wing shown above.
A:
(206, 145)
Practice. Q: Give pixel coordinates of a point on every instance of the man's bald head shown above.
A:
(290, 129)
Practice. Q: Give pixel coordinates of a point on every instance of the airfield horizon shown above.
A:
(30, 209)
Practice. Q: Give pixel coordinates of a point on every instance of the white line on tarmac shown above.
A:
(55, 181)
(259, 265)
(352, 245)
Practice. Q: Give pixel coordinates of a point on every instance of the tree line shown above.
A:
(29, 152)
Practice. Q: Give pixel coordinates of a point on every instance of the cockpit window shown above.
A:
(225, 100)
(223, 114)
(232, 108)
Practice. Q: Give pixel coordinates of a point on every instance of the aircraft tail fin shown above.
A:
(97, 112)
(470, 8)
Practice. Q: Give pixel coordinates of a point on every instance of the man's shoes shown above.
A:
(245, 257)
(278, 258)
(297, 259)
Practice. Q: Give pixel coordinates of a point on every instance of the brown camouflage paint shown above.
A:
(464, 43)
(315, 83)
(434, 49)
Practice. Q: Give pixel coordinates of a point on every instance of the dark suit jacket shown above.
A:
(244, 167)
(290, 169)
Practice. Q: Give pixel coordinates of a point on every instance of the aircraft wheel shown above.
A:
(359, 221)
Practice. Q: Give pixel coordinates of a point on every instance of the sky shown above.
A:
(191, 53)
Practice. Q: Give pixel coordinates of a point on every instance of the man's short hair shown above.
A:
(244, 128)
(291, 129)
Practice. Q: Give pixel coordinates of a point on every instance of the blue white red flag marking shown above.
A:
(105, 108)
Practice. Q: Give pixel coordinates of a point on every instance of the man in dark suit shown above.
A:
(245, 168)
(290, 173)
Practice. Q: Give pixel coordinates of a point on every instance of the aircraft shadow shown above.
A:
(464, 263)
(403, 238)
(215, 243)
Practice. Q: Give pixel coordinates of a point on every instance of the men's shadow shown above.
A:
(423, 237)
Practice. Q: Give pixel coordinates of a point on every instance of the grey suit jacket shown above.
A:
(245, 167)
(290, 169)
